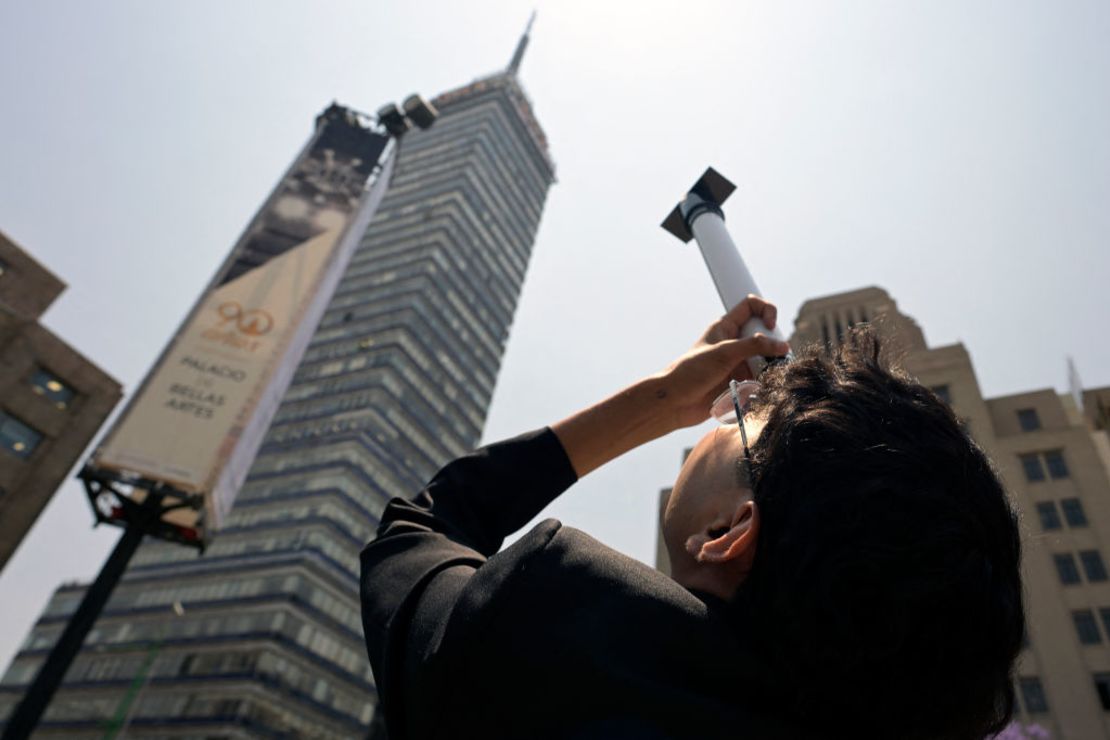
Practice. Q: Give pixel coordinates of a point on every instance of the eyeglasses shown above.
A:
(730, 407)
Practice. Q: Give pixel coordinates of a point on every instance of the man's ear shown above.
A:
(738, 541)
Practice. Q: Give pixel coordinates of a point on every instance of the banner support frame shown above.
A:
(142, 518)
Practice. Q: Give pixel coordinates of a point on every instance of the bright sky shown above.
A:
(953, 152)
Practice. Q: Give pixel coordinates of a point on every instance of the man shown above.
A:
(845, 561)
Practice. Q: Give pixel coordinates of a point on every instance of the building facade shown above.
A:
(52, 399)
(261, 637)
(1053, 453)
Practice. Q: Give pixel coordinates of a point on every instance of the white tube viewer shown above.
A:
(698, 216)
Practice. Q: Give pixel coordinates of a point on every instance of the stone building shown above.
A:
(52, 399)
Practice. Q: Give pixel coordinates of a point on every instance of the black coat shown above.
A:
(556, 636)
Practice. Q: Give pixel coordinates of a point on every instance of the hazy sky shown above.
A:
(952, 152)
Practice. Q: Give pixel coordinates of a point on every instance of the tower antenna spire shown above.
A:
(514, 65)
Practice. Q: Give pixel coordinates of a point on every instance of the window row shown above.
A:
(1034, 465)
(442, 220)
(1093, 566)
(354, 391)
(489, 129)
(1049, 514)
(369, 487)
(404, 444)
(342, 648)
(255, 711)
(461, 224)
(481, 128)
(353, 526)
(345, 612)
(419, 331)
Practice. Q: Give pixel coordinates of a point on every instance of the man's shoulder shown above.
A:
(580, 594)
(560, 626)
(552, 558)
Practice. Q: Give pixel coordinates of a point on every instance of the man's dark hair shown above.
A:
(885, 595)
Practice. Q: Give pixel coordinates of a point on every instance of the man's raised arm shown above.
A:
(427, 548)
(678, 397)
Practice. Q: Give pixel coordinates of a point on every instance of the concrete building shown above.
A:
(261, 637)
(52, 399)
(1054, 457)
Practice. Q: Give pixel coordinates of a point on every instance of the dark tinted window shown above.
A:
(1092, 564)
(1031, 464)
(1102, 686)
(45, 383)
(1050, 517)
(16, 437)
(1028, 420)
(1073, 512)
(1057, 468)
(1086, 627)
(942, 393)
(1032, 695)
(1066, 568)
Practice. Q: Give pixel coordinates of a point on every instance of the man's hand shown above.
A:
(678, 397)
(693, 381)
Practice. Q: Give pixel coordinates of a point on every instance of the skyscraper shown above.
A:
(261, 636)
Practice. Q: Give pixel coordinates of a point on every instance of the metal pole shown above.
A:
(30, 709)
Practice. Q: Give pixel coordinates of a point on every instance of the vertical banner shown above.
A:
(200, 415)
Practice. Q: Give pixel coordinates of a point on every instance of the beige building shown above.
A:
(1053, 452)
(52, 399)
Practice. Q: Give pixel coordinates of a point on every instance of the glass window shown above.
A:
(1057, 468)
(1092, 564)
(1066, 568)
(1032, 695)
(1031, 464)
(1073, 512)
(1102, 686)
(1050, 517)
(1086, 627)
(3, 267)
(47, 384)
(943, 393)
(16, 437)
(1028, 420)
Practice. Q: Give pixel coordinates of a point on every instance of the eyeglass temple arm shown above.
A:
(733, 387)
